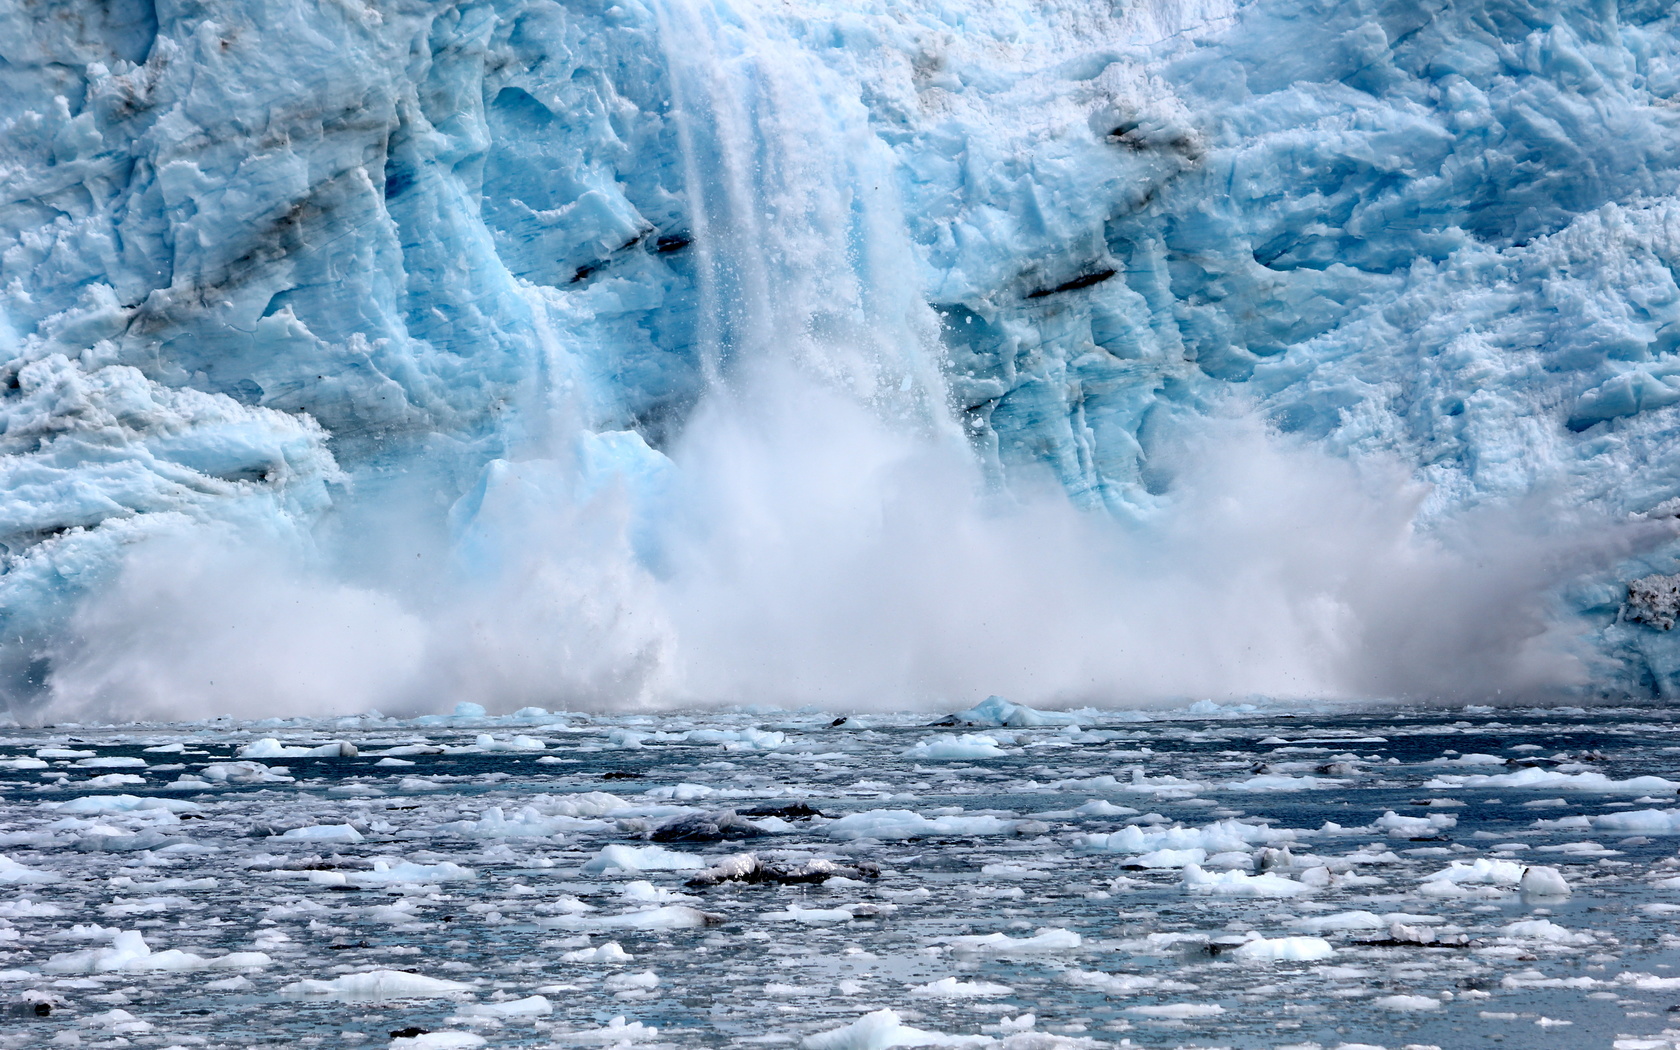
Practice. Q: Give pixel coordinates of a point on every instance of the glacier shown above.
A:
(629, 353)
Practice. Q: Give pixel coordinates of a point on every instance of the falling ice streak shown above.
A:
(803, 253)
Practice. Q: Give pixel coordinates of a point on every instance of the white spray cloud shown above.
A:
(806, 550)
(207, 623)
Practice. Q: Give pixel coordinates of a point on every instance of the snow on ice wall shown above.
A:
(285, 276)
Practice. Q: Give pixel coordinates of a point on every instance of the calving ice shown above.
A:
(659, 353)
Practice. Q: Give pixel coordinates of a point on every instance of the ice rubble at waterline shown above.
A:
(472, 351)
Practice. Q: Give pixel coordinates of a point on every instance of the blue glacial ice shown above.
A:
(848, 352)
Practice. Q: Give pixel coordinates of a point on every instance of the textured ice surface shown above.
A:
(217, 930)
(273, 276)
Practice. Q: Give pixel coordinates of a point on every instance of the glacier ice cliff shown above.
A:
(624, 351)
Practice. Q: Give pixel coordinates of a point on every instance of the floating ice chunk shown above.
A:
(1124, 984)
(111, 780)
(1241, 884)
(1283, 782)
(1176, 1011)
(735, 739)
(1541, 881)
(731, 739)
(1049, 939)
(794, 913)
(269, 747)
(954, 988)
(375, 986)
(530, 1006)
(23, 762)
(1535, 777)
(681, 792)
(584, 804)
(1168, 858)
(1344, 920)
(609, 952)
(488, 743)
(645, 981)
(996, 711)
(1481, 871)
(438, 1041)
(889, 824)
(121, 804)
(14, 874)
(493, 824)
(1546, 930)
(244, 773)
(1102, 807)
(617, 1032)
(1467, 760)
(1226, 835)
(324, 833)
(387, 872)
(883, 1029)
(642, 858)
(407, 871)
(1284, 949)
(24, 908)
(112, 762)
(645, 891)
(669, 917)
(130, 953)
(1407, 1003)
(1414, 827)
(946, 747)
(751, 868)
(1644, 821)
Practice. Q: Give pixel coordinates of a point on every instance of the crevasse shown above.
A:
(641, 352)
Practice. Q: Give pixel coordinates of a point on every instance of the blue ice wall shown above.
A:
(264, 267)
